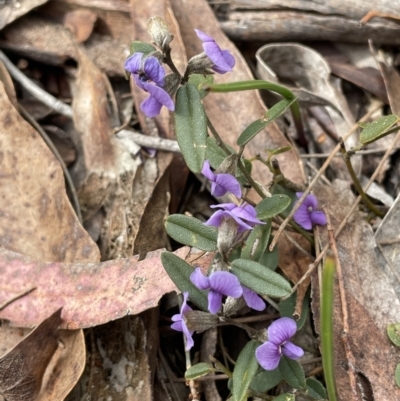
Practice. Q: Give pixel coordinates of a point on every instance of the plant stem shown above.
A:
(346, 158)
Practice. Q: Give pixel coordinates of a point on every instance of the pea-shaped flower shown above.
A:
(279, 334)
(180, 323)
(307, 214)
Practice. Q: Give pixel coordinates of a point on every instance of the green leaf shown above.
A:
(142, 47)
(198, 370)
(244, 371)
(292, 372)
(257, 242)
(179, 271)
(271, 206)
(214, 153)
(191, 231)
(377, 129)
(393, 331)
(191, 126)
(260, 279)
(285, 397)
(270, 115)
(397, 375)
(315, 389)
(270, 259)
(287, 306)
(198, 80)
(266, 380)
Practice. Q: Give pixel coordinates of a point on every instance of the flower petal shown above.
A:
(177, 325)
(225, 283)
(253, 300)
(161, 95)
(227, 183)
(229, 59)
(151, 107)
(133, 63)
(268, 355)
(200, 280)
(206, 171)
(225, 206)
(185, 307)
(216, 218)
(216, 55)
(303, 217)
(292, 351)
(248, 213)
(318, 217)
(154, 70)
(309, 201)
(282, 330)
(214, 301)
(203, 36)
(188, 334)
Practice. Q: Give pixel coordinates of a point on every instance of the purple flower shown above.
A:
(252, 299)
(279, 333)
(180, 324)
(307, 215)
(219, 283)
(244, 215)
(221, 183)
(149, 75)
(222, 59)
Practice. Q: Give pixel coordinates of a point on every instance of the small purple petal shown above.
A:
(225, 283)
(188, 334)
(292, 351)
(203, 36)
(177, 325)
(215, 54)
(154, 70)
(206, 171)
(161, 95)
(225, 206)
(281, 330)
(309, 201)
(303, 217)
(242, 225)
(214, 301)
(200, 280)
(185, 307)
(230, 60)
(268, 355)
(248, 213)
(151, 107)
(227, 183)
(318, 217)
(216, 219)
(133, 63)
(252, 299)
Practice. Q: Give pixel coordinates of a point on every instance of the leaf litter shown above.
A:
(124, 199)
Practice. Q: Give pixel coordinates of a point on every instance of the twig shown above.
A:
(50, 144)
(169, 374)
(15, 297)
(152, 142)
(35, 90)
(349, 354)
(314, 180)
(357, 152)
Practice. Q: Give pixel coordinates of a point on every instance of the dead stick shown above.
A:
(345, 333)
(15, 297)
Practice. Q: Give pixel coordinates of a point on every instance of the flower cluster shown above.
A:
(307, 215)
(149, 74)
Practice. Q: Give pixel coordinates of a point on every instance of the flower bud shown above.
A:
(227, 232)
(159, 32)
(199, 64)
(200, 321)
(232, 305)
(171, 83)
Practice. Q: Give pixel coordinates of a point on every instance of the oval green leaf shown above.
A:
(278, 151)
(198, 370)
(377, 129)
(191, 126)
(272, 206)
(257, 242)
(179, 271)
(260, 279)
(191, 231)
(270, 259)
(397, 375)
(292, 372)
(266, 380)
(315, 389)
(244, 371)
(270, 115)
(285, 397)
(393, 331)
(142, 47)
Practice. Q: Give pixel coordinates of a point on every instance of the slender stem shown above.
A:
(260, 84)
(346, 158)
(240, 164)
(326, 319)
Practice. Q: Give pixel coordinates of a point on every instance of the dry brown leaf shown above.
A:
(36, 217)
(80, 22)
(91, 294)
(11, 10)
(371, 303)
(21, 369)
(238, 109)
